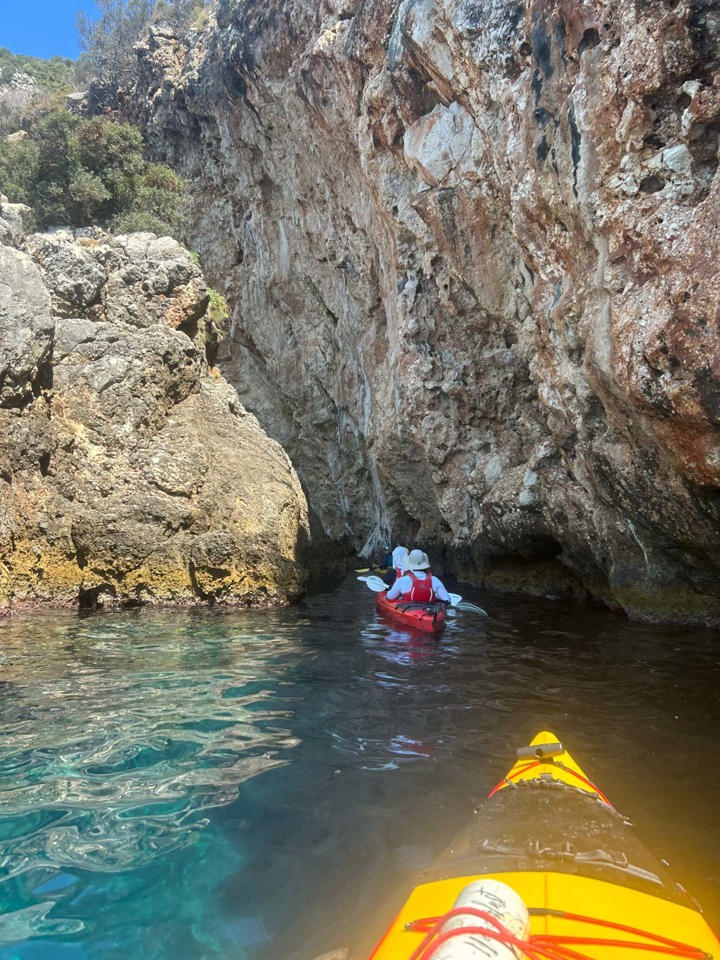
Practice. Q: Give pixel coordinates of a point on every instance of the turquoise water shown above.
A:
(263, 785)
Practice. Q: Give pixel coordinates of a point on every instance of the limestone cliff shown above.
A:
(472, 251)
(129, 470)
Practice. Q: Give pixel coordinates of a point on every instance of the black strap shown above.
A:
(430, 607)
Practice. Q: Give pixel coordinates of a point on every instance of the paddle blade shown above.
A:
(471, 608)
(458, 603)
(374, 583)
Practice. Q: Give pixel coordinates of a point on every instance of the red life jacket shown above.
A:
(422, 591)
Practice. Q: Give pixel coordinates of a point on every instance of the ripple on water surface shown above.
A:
(263, 785)
(121, 735)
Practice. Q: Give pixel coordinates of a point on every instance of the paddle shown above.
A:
(470, 607)
(377, 585)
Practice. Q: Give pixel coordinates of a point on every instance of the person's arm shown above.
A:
(440, 591)
(395, 591)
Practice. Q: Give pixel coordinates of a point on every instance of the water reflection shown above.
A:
(133, 761)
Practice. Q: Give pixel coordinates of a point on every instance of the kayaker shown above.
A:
(399, 565)
(418, 584)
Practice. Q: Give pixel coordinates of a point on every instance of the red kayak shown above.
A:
(429, 617)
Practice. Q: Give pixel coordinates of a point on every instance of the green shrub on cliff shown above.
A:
(218, 311)
(158, 194)
(217, 323)
(76, 172)
(18, 166)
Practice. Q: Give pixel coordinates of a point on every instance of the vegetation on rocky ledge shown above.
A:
(80, 172)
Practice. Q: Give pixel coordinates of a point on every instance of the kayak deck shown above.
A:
(605, 902)
(551, 834)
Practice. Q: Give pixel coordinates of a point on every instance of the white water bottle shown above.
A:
(500, 901)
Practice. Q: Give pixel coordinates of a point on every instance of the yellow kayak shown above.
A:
(548, 870)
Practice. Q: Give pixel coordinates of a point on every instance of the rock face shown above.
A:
(129, 470)
(472, 249)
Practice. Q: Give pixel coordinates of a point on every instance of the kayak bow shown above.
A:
(552, 838)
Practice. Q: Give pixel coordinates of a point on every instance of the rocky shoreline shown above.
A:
(130, 473)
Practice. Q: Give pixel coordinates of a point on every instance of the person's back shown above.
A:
(417, 584)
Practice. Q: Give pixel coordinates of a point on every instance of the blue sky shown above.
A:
(42, 28)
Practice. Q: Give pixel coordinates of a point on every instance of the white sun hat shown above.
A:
(400, 558)
(417, 560)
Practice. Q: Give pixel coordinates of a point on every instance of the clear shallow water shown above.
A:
(263, 785)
